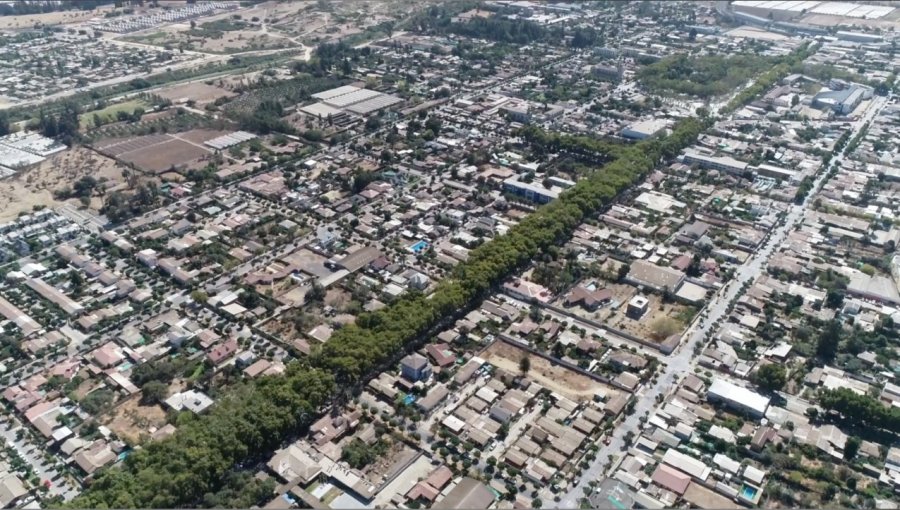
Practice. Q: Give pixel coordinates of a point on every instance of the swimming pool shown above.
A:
(409, 399)
(748, 493)
(419, 246)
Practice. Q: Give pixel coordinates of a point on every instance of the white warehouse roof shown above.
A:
(738, 395)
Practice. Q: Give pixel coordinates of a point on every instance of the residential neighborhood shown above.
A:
(487, 254)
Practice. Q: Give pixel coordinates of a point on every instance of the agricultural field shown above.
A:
(160, 153)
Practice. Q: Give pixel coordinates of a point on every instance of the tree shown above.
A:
(795, 100)
(851, 447)
(834, 298)
(771, 377)
(4, 123)
(664, 327)
(524, 363)
(154, 392)
(829, 339)
(316, 293)
(624, 269)
(199, 296)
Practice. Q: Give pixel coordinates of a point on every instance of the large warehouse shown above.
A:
(788, 9)
(349, 99)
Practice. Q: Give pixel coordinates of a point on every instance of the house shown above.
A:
(192, 400)
(440, 354)
(294, 465)
(637, 307)
(222, 352)
(527, 291)
(96, 456)
(415, 367)
(11, 489)
(588, 299)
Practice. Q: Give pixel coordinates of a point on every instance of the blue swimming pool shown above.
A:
(748, 492)
(409, 399)
(419, 246)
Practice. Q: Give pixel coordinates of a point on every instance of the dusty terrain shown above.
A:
(554, 377)
(21, 192)
(199, 92)
(131, 420)
(50, 18)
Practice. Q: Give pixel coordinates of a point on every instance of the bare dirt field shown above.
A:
(199, 92)
(159, 153)
(553, 377)
(35, 186)
(131, 420)
(247, 38)
(162, 157)
(200, 135)
(646, 327)
(50, 18)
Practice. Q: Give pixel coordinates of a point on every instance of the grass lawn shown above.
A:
(331, 495)
(197, 372)
(109, 113)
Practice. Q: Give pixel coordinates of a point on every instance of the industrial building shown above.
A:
(720, 163)
(780, 10)
(350, 99)
(645, 129)
(842, 101)
(531, 191)
(737, 397)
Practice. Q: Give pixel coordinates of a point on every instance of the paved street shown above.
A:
(681, 362)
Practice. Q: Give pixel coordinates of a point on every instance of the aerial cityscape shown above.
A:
(461, 254)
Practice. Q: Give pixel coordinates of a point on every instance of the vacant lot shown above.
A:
(50, 18)
(660, 321)
(222, 36)
(552, 376)
(35, 186)
(131, 420)
(199, 92)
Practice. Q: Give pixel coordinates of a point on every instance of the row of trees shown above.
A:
(861, 410)
(256, 418)
(771, 77)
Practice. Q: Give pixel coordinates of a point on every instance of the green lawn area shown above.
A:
(109, 113)
(197, 372)
(331, 495)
